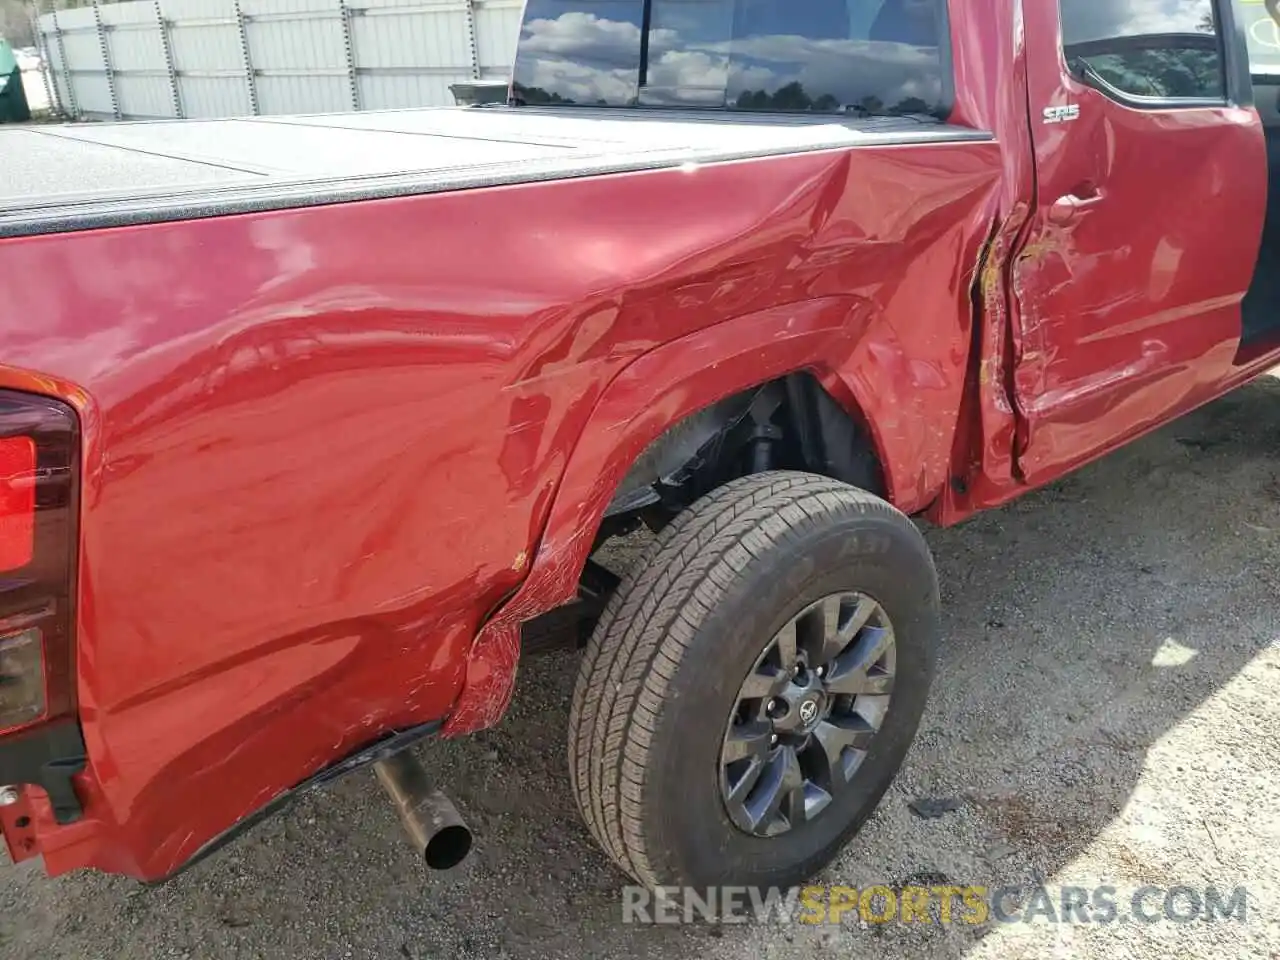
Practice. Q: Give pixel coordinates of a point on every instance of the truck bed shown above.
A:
(322, 448)
(79, 176)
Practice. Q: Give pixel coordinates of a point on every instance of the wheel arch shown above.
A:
(790, 422)
(698, 380)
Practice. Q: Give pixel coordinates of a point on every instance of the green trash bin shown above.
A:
(13, 98)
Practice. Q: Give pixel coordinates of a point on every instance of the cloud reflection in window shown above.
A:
(799, 56)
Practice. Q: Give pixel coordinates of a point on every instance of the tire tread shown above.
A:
(651, 622)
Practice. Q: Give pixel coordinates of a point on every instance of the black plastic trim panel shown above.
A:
(47, 756)
(947, 52)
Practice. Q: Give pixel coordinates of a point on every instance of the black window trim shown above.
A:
(946, 62)
(1232, 46)
(1235, 42)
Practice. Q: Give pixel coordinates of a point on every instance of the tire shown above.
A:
(662, 672)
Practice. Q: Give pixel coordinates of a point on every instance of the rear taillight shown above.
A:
(38, 457)
(17, 501)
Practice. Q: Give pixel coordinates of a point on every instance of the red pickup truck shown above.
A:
(310, 427)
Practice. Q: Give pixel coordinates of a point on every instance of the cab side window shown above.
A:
(1139, 50)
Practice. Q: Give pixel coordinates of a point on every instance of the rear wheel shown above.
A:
(754, 685)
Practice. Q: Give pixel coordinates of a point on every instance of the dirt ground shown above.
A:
(1106, 711)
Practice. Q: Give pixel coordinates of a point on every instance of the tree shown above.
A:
(15, 24)
(534, 95)
(1162, 73)
(16, 15)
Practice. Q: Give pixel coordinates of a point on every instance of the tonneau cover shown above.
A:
(76, 176)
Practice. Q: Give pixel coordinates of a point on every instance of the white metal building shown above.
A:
(150, 59)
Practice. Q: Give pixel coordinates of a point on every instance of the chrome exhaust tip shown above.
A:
(435, 827)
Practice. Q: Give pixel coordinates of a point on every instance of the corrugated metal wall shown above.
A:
(149, 59)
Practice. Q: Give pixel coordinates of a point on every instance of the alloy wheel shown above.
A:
(805, 716)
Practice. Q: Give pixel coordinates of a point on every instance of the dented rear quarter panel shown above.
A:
(323, 445)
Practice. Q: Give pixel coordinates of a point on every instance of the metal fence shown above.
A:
(149, 59)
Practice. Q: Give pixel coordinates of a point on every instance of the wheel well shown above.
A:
(791, 423)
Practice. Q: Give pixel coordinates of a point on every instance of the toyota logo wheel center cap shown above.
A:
(809, 711)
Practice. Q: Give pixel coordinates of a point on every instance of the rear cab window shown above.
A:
(853, 57)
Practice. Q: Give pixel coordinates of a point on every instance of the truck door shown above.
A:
(1151, 190)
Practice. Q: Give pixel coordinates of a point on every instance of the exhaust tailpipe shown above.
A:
(436, 829)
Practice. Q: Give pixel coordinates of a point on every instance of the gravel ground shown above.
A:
(1106, 712)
